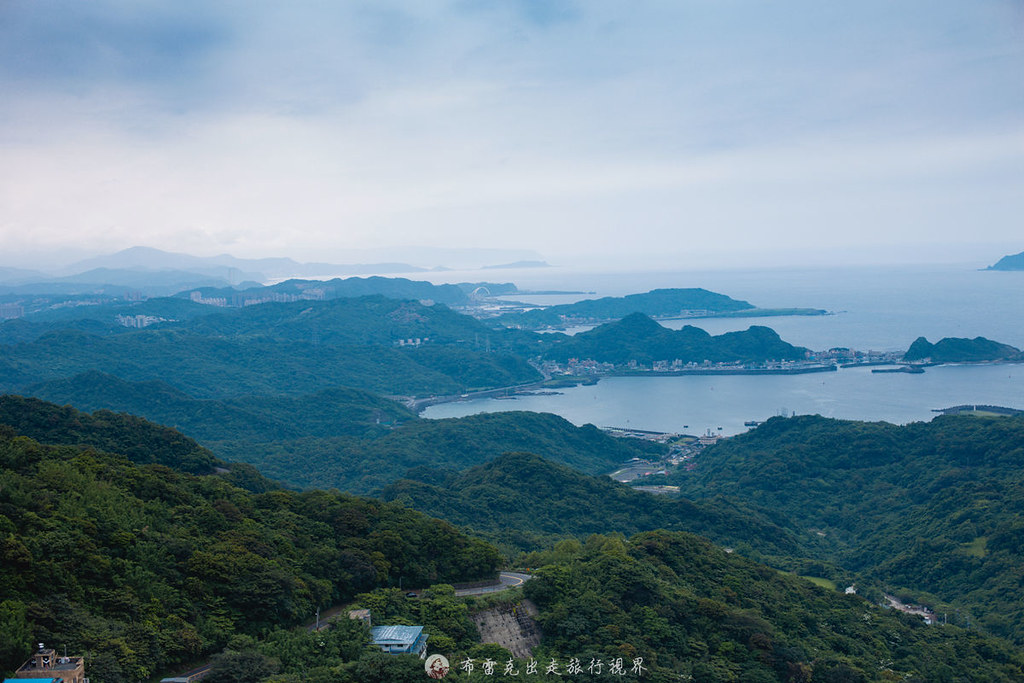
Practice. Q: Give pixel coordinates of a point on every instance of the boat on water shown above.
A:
(909, 369)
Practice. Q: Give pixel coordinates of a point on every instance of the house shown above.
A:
(397, 640)
(45, 665)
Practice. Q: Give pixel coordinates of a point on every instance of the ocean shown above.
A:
(871, 308)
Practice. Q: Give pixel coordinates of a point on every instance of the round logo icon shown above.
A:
(436, 666)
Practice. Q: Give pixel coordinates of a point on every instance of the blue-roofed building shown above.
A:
(33, 680)
(400, 640)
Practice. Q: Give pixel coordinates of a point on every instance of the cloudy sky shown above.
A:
(641, 132)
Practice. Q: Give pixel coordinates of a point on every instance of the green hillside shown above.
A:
(216, 367)
(337, 288)
(524, 502)
(330, 412)
(638, 338)
(277, 348)
(694, 612)
(661, 303)
(145, 566)
(932, 508)
(961, 350)
(139, 440)
(434, 448)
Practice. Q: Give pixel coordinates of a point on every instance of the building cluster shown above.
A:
(243, 300)
(45, 665)
(588, 366)
(313, 294)
(576, 367)
(8, 311)
(198, 298)
(139, 321)
(851, 356)
(415, 341)
(682, 453)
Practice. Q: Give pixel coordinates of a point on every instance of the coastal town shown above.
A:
(815, 361)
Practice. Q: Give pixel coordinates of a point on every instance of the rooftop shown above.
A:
(384, 635)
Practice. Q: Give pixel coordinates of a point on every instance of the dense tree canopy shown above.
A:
(638, 338)
(934, 508)
(524, 502)
(146, 566)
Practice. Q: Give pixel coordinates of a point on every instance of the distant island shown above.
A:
(657, 303)
(518, 264)
(961, 350)
(1010, 262)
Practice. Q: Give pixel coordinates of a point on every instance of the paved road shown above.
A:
(507, 580)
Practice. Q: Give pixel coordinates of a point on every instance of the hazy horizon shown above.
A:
(428, 266)
(594, 134)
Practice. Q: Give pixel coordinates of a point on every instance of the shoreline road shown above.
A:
(506, 580)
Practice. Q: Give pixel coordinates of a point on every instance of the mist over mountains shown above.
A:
(156, 272)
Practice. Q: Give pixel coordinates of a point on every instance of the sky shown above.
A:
(640, 134)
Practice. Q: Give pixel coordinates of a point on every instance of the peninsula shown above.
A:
(1009, 262)
(961, 350)
(657, 303)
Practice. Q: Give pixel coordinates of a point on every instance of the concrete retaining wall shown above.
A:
(511, 626)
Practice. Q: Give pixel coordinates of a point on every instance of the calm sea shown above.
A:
(878, 308)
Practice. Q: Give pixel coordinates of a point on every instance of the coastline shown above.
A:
(418, 405)
(724, 371)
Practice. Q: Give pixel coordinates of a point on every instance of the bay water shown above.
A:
(871, 308)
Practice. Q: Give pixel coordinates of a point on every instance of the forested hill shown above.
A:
(435, 448)
(961, 350)
(139, 440)
(372, 343)
(337, 288)
(352, 321)
(146, 567)
(248, 419)
(524, 502)
(106, 303)
(935, 508)
(214, 367)
(694, 612)
(657, 303)
(639, 338)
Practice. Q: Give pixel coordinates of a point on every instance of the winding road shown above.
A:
(506, 580)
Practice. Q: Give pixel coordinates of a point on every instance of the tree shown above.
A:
(15, 635)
